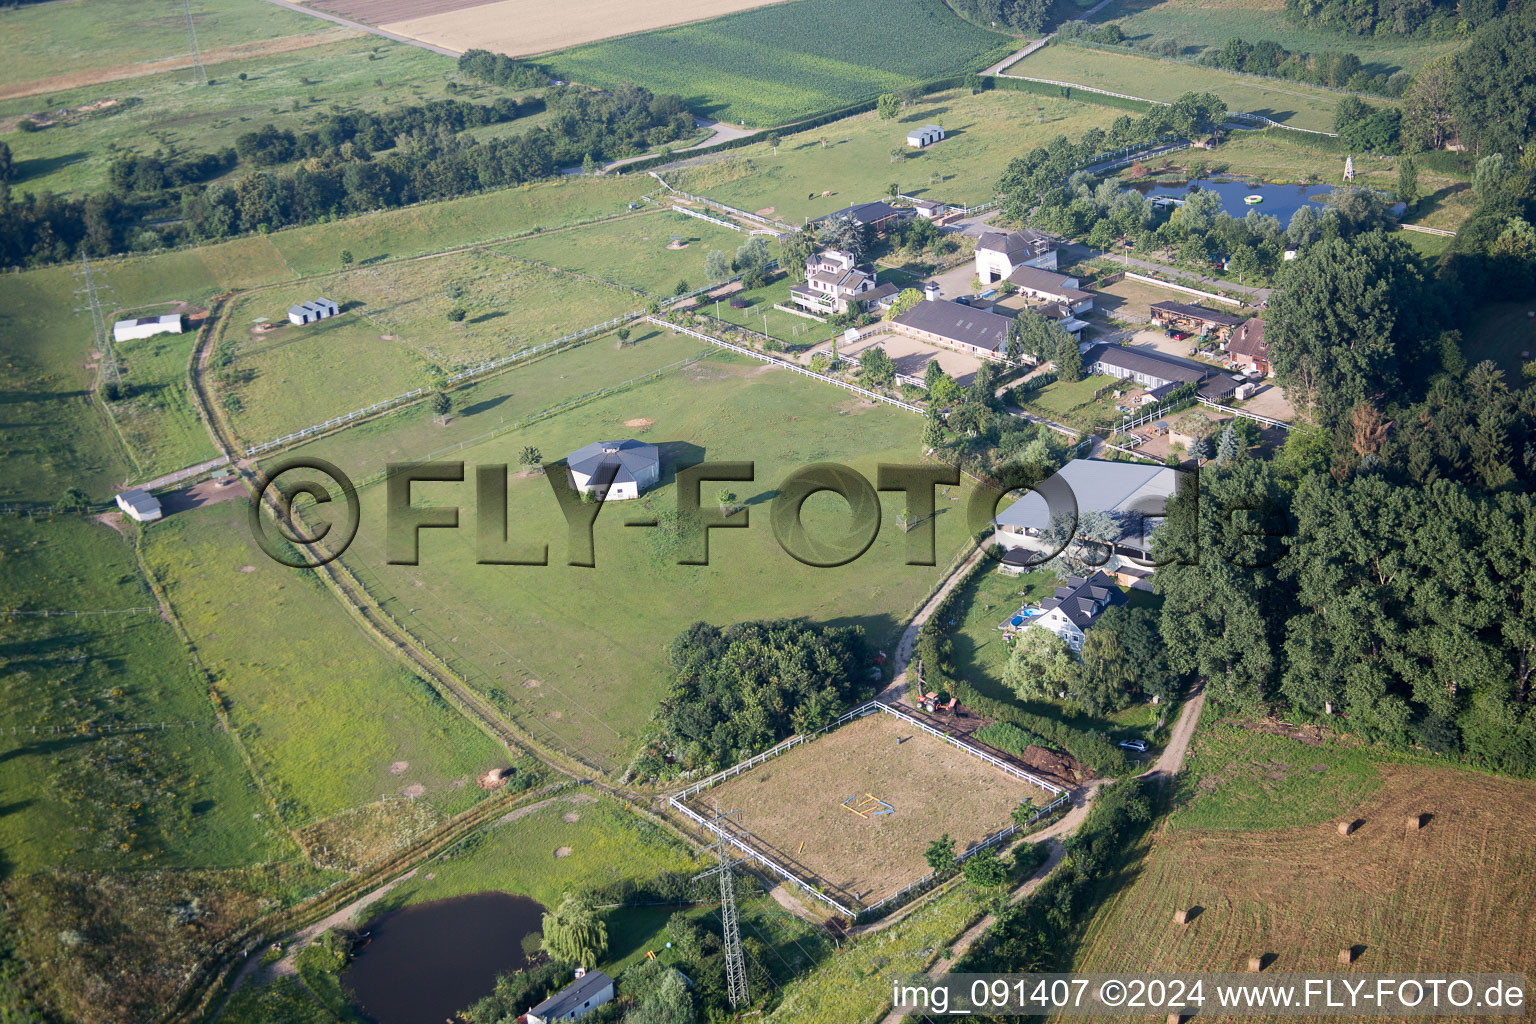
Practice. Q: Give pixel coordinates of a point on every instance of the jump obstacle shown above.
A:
(868, 806)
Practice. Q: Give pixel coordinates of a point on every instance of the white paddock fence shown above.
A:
(865, 392)
(740, 839)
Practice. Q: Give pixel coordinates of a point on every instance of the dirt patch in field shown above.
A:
(244, 51)
(522, 27)
(570, 817)
(399, 767)
(563, 851)
(1310, 734)
(640, 424)
(414, 790)
(793, 805)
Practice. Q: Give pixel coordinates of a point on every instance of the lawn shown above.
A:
(1067, 401)
(332, 721)
(986, 600)
(393, 327)
(590, 680)
(985, 132)
(92, 780)
(1254, 845)
(1504, 332)
(787, 61)
(794, 806)
(1292, 103)
(796, 332)
(633, 252)
(175, 112)
(1202, 23)
(117, 38)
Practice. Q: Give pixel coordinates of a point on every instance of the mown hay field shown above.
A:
(793, 806)
(790, 60)
(1290, 103)
(576, 655)
(1456, 895)
(522, 27)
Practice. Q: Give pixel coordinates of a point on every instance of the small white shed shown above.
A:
(139, 505)
(144, 326)
(927, 135)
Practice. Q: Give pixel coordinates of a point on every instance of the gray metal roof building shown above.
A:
(958, 323)
(577, 999)
(1131, 492)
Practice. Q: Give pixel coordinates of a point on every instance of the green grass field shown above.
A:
(985, 132)
(1292, 103)
(110, 37)
(393, 326)
(1201, 23)
(633, 252)
(576, 655)
(157, 418)
(92, 780)
(790, 60)
(1072, 403)
(332, 721)
(175, 112)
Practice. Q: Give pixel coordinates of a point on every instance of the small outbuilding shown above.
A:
(309, 312)
(590, 990)
(139, 505)
(927, 135)
(144, 326)
(635, 468)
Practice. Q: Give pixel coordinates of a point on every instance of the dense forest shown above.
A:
(1392, 17)
(1025, 16)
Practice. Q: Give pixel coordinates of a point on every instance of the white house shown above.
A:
(999, 253)
(635, 468)
(590, 990)
(927, 135)
(832, 279)
(139, 505)
(1076, 606)
(309, 312)
(144, 326)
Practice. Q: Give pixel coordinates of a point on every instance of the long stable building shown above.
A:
(1151, 369)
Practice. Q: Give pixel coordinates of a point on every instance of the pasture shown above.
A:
(93, 781)
(1201, 23)
(1273, 875)
(90, 126)
(98, 40)
(156, 416)
(908, 789)
(633, 252)
(985, 131)
(332, 722)
(522, 27)
(790, 60)
(1292, 103)
(392, 331)
(576, 655)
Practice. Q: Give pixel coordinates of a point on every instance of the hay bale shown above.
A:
(1346, 827)
(1181, 917)
(1255, 964)
(1347, 955)
(1414, 822)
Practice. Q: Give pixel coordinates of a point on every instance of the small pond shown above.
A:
(423, 964)
(1279, 200)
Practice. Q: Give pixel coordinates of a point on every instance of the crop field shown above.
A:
(985, 132)
(332, 722)
(1457, 895)
(1290, 103)
(91, 125)
(1202, 23)
(633, 252)
(591, 680)
(394, 324)
(522, 27)
(92, 780)
(790, 60)
(794, 805)
(101, 39)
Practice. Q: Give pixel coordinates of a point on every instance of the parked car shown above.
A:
(1140, 746)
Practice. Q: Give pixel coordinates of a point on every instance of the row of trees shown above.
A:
(1122, 661)
(499, 69)
(1393, 17)
(423, 164)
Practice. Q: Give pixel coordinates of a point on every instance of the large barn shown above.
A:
(636, 467)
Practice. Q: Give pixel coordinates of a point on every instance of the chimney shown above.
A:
(931, 291)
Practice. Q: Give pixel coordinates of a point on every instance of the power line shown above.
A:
(197, 53)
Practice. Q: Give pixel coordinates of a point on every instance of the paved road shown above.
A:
(370, 29)
(723, 133)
